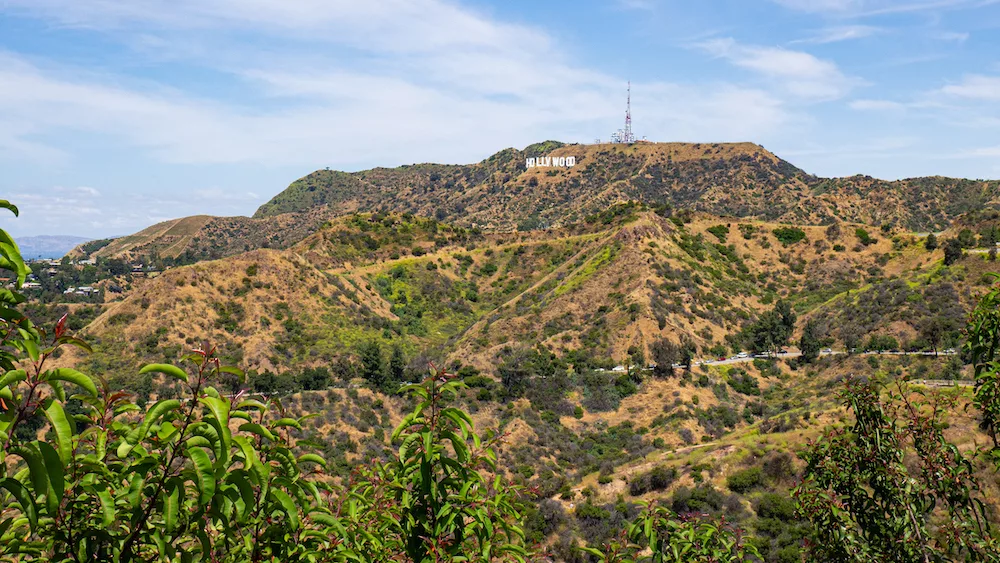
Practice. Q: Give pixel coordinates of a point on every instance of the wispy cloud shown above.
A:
(821, 5)
(877, 105)
(956, 36)
(801, 74)
(986, 151)
(438, 82)
(636, 4)
(975, 87)
(348, 85)
(867, 8)
(841, 33)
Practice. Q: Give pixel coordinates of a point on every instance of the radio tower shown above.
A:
(629, 137)
(625, 135)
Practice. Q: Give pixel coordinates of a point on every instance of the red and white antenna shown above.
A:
(625, 135)
(629, 137)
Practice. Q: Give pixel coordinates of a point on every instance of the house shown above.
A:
(31, 285)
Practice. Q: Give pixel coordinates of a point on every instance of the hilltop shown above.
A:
(202, 237)
(735, 179)
(499, 194)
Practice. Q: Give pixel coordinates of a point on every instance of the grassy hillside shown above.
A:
(500, 195)
(740, 179)
(611, 285)
(533, 321)
(201, 237)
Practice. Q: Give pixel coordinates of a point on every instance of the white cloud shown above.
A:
(956, 36)
(50, 212)
(389, 25)
(799, 73)
(821, 5)
(870, 148)
(841, 33)
(876, 105)
(865, 8)
(221, 195)
(976, 87)
(986, 151)
(439, 82)
(637, 4)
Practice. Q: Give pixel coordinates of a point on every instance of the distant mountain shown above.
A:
(500, 194)
(48, 246)
(735, 179)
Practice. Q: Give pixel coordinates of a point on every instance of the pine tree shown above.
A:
(397, 365)
(373, 363)
(952, 251)
(809, 344)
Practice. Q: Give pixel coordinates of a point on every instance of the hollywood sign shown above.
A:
(543, 161)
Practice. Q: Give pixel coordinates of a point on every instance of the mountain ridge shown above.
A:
(500, 194)
(49, 246)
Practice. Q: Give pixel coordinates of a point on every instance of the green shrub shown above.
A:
(863, 237)
(789, 235)
(745, 480)
(774, 505)
(721, 232)
(744, 383)
(657, 479)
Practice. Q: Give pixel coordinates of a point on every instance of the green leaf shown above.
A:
(36, 468)
(71, 376)
(234, 371)
(239, 479)
(250, 456)
(13, 377)
(107, 507)
(4, 204)
(288, 504)
(23, 498)
(56, 474)
(171, 504)
(165, 369)
(30, 347)
(63, 427)
(204, 475)
(138, 434)
(135, 490)
(257, 429)
(288, 422)
(220, 421)
(314, 458)
(74, 341)
(252, 403)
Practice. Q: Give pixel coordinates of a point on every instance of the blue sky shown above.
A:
(115, 115)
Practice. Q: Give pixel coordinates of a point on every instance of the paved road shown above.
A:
(789, 355)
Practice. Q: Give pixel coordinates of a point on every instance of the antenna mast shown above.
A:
(629, 137)
(625, 135)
